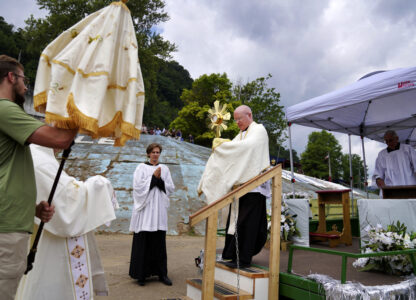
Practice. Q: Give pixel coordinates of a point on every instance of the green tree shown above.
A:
(8, 43)
(357, 169)
(285, 153)
(314, 159)
(192, 118)
(264, 103)
(171, 79)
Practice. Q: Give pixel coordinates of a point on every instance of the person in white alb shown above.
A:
(234, 163)
(68, 264)
(152, 185)
(395, 165)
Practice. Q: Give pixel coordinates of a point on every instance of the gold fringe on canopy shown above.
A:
(89, 125)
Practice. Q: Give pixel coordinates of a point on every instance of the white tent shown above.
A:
(368, 107)
(378, 102)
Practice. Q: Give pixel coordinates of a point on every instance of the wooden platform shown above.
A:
(222, 291)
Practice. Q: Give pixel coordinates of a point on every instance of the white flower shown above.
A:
(361, 262)
(368, 228)
(286, 227)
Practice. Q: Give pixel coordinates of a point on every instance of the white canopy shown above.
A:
(368, 107)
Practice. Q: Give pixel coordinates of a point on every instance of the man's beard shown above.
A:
(18, 98)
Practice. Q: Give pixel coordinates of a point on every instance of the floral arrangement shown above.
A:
(298, 195)
(288, 227)
(394, 238)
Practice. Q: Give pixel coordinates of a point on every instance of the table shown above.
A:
(400, 192)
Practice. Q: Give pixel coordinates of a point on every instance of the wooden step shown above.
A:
(250, 272)
(180, 298)
(222, 291)
(252, 279)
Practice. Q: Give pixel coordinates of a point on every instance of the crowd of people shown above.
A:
(172, 133)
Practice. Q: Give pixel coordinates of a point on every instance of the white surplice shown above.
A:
(67, 264)
(396, 167)
(150, 207)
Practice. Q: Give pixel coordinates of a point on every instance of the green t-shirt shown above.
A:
(17, 177)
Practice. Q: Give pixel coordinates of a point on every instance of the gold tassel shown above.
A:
(39, 101)
(83, 121)
(88, 125)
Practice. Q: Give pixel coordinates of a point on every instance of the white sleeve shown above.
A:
(412, 158)
(379, 170)
(169, 186)
(141, 185)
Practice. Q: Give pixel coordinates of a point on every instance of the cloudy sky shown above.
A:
(309, 47)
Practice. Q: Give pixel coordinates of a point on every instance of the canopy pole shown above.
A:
(365, 167)
(289, 124)
(351, 177)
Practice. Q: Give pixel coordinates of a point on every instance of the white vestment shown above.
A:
(67, 264)
(150, 206)
(236, 162)
(396, 167)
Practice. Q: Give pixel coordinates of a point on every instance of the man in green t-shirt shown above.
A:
(17, 180)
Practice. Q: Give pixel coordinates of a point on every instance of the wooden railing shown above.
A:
(210, 213)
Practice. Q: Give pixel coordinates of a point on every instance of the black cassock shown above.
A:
(251, 229)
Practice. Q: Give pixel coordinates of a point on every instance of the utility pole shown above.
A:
(329, 167)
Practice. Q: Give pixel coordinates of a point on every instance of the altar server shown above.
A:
(395, 165)
(152, 185)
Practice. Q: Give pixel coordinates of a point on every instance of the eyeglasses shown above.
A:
(26, 80)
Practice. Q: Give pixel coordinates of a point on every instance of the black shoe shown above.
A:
(165, 280)
(141, 282)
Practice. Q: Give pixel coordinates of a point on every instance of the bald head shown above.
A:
(243, 116)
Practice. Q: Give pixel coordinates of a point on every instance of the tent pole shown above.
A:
(351, 176)
(291, 159)
(365, 167)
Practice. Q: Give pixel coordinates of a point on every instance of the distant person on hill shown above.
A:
(144, 129)
(152, 185)
(191, 138)
(395, 165)
(179, 134)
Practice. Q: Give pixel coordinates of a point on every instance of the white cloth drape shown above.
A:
(79, 206)
(150, 207)
(89, 77)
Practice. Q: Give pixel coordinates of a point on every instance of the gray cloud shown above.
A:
(310, 47)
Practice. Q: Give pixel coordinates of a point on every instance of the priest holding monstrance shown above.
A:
(233, 163)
